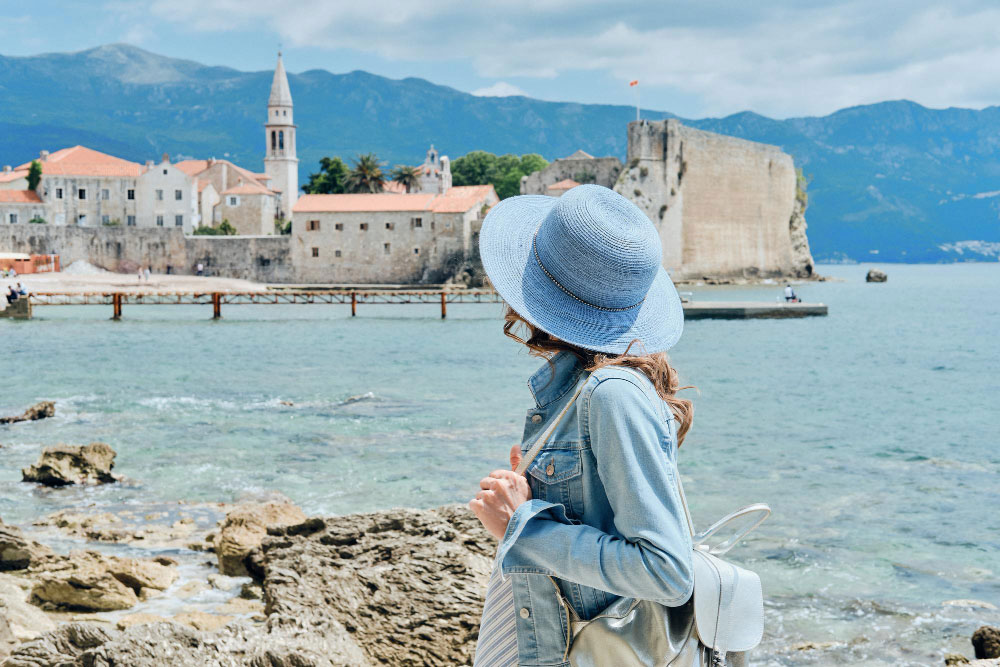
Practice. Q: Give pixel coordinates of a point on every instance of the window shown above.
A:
(234, 201)
(105, 219)
(447, 225)
(390, 226)
(105, 194)
(281, 140)
(364, 226)
(82, 193)
(385, 248)
(432, 224)
(336, 253)
(315, 252)
(178, 220)
(313, 226)
(159, 221)
(164, 172)
(416, 251)
(284, 112)
(416, 222)
(130, 194)
(274, 135)
(159, 195)
(13, 218)
(339, 226)
(130, 220)
(58, 193)
(178, 195)
(81, 219)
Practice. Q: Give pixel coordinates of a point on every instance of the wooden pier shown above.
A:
(118, 300)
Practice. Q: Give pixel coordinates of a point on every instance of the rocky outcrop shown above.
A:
(986, 642)
(62, 465)
(245, 526)
(25, 620)
(37, 411)
(876, 276)
(802, 260)
(89, 581)
(396, 587)
(18, 552)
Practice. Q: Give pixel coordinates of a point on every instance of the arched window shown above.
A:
(273, 141)
(281, 140)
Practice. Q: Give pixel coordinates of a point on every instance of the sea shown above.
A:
(873, 433)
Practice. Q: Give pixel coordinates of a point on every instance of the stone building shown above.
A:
(229, 192)
(435, 173)
(580, 167)
(165, 197)
(280, 162)
(724, 207)
(20, 206)
(384, 238)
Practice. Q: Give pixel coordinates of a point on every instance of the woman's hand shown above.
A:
(500, 495)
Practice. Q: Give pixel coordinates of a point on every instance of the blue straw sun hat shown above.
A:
(585, 268)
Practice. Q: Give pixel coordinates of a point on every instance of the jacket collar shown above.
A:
(547, 386)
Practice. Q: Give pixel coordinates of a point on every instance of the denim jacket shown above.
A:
(605, 519)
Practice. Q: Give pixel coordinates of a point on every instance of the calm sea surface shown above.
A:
(872, 433)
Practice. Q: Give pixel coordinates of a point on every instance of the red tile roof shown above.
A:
(82, 161)
(247, 188)
(20, 197)
(7, 177)
(461, 198)
(565, 184)
(196, 167)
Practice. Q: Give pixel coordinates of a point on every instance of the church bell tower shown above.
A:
(280, 162)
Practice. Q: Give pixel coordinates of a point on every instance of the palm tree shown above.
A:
(408, 177)
(366, 175)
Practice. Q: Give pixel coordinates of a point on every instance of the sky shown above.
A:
(695, 58)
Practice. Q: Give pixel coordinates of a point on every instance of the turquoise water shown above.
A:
(873, 433)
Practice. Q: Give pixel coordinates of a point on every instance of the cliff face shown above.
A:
(724, 207)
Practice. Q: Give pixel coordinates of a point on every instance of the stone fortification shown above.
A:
(580, 167)
(724, 207)
(125, 249)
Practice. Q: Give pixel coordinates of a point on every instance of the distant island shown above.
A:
(889, 182)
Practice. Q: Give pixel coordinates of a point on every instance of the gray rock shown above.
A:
(61, 647)
(876, 276)
(73, 464)
(37, 411)
(986, 642)
(17, 552)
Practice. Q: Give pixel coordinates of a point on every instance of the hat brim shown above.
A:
(505, 245)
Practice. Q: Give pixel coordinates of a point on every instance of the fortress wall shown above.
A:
(264, 259)
(722, 205)
(601, 170)
(737, 204)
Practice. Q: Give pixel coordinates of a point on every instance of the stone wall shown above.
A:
(724, 207)
(263, 259)
(580, 167)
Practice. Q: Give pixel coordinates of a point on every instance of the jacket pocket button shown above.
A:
(535, 419)
(550, 470)
(524, 612)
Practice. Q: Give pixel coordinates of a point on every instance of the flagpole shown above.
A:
(635, 84)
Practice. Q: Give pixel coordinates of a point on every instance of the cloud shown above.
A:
(499, 89)
(781, 58)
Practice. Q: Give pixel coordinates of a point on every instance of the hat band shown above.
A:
(534, 247)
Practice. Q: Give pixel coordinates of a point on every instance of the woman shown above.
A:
(598, 515)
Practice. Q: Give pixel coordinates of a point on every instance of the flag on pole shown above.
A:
(634, 82)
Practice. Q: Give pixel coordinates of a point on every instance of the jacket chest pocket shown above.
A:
(556, 477)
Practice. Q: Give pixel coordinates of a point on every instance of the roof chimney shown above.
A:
(211, 161)
(44, 155)
(6, 169)
(149, 164)
(166, 157)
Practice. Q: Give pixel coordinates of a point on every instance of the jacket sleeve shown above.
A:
(650, 558)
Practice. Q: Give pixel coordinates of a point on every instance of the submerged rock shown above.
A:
(73, 464)
(245, 526)
(876, 276)
(986, 642)
(42, 410)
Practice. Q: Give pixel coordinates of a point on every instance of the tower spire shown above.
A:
(280, 160)
(281, 95)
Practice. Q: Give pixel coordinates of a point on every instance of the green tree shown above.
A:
(366, 175)
(409, 177)
(503, 172)
(34, 174)
(227, 229)
(329, 180)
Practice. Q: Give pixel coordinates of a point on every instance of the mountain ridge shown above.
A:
(891, 181)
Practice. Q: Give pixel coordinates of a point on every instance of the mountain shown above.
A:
(893, 181)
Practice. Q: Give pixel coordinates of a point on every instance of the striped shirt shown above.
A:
(497, 645)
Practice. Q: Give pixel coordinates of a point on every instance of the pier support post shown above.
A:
(216, 306)
(116, 305)
(354, 304)
(444, 305)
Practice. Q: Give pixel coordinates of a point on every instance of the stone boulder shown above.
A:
(19, 553)
(876, 276)
(25, 620)
(89, 581)
(42, 410)
(986, 642)
(73, 464)
(61, 647)
(245, 526)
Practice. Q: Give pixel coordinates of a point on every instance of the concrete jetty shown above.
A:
(743, 310)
